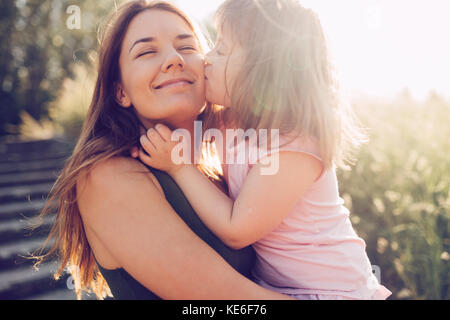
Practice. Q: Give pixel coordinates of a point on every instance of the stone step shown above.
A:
(19, 283)
(35, 146)
(57, 294)
(28, 171)
(29, 166)
(25, 193)
(28, 178)
(14, 255)
(63, 294)
(17, 210)
(19, 280)
(28, 157)
(14, 230)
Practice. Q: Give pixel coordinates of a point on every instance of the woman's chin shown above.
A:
(184, 112)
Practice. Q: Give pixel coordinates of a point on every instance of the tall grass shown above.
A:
(399, 194)
(66, 112)
(69, 109)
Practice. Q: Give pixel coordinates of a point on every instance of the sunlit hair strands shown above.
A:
(109, 130)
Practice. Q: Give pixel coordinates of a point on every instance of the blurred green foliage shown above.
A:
(399, 194)
(38, 51)
(398, 191)
(66, 112)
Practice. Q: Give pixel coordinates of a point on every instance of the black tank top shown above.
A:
(124, 287)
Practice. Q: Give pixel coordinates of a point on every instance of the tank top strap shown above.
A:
(241, 260)
(124, 286)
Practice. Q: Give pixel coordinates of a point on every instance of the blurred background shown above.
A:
(393, 59)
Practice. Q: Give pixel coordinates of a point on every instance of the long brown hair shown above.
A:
(108, 130)
(287, 81)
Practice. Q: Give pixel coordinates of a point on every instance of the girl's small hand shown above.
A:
(158, 144)
(134, 151)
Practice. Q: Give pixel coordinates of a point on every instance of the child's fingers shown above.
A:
(147, 145)
(155, 138)
(134, 152)
(164, 131)
(145, 158)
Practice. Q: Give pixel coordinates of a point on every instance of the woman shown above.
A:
(116, 218)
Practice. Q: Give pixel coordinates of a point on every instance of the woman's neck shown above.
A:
(189, 126)
(195, 137)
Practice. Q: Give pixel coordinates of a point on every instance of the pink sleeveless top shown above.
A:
(315, 249)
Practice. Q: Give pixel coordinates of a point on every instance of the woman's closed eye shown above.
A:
(184, 49)
(145, 53)
(188, 48)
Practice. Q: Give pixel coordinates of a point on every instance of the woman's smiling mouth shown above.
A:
(174, 83)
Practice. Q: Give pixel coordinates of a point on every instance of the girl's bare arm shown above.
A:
(123, 207)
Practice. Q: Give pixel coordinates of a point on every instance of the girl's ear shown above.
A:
(121, 96)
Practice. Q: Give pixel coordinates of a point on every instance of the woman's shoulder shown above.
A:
(115, 171)
(115, 165)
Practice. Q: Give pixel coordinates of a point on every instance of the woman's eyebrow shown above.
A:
(148, 39)
(184, 36)
(151, 39)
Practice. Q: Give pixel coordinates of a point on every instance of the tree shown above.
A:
(38, 50)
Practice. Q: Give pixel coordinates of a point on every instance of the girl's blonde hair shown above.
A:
(287, 81)
(108, 131)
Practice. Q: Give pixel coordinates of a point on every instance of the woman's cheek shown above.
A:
(197, 60)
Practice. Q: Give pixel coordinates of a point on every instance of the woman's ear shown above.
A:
(121, 96)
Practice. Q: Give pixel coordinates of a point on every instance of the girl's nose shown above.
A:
(207, 59)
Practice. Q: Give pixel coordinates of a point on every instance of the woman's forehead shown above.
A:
(157, 24)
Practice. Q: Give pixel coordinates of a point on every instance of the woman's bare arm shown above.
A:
(123, 207)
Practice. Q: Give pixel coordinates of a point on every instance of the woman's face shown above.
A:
(162, 69)
(223, 64)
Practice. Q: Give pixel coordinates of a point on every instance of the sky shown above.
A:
(380, 47)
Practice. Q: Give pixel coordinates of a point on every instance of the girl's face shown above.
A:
(162, 69)
(223, 64)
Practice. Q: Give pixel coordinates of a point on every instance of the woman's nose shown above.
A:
(173, 61)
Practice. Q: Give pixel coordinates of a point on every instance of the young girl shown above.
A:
(270, 70)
